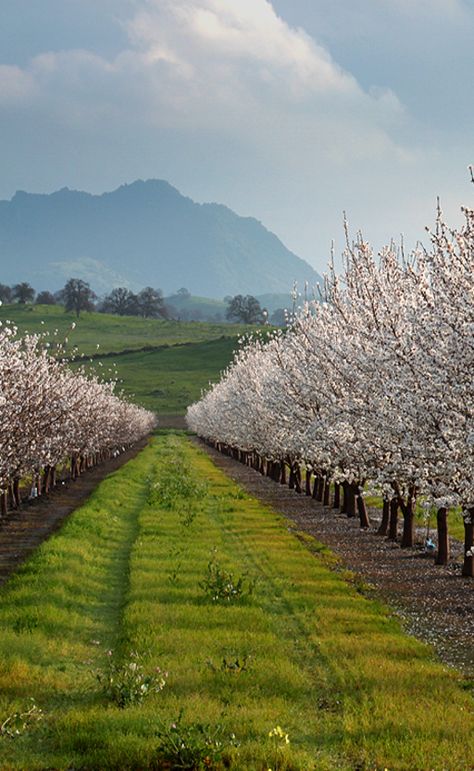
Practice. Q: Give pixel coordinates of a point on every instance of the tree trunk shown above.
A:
(383, 529)
(361, 507)
(320, 492)
(442, 556)
(298, 487)
(468, 566)
(46, 479)
(345, 498)
(316, 487)
(16, 492)
(11, 497)
(308, 483)
(291, 481)
(351, 501)
(393, 522)
(408, 511)
(4, 497)
(327, 492)
(337, 496)
(283, 473)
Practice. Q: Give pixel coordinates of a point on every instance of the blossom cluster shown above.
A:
(371, 386)
(49, 413)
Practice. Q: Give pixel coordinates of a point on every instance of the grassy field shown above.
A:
(113, 333)
(167, 381)
(268, 658)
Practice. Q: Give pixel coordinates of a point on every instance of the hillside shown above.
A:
(103, 333)
(145, 233)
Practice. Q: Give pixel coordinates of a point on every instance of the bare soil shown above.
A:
(434, 603)
(23, 530)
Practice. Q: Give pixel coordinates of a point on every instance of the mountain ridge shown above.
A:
(143, 233)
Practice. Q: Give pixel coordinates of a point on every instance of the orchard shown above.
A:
(369, 389)
(51, 417)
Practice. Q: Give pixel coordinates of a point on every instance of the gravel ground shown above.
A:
(435, 603)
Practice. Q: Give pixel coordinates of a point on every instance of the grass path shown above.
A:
(303, 650)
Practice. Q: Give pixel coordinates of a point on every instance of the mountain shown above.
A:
(142, 234)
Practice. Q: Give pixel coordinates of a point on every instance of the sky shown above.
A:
(291, 111)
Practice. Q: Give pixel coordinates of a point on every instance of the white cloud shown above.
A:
(16, 86)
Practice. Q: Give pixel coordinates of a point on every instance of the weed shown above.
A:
(234, 665)
(192, 746)
(174, 487)
(220, 585)
(128, 683)
(173, 575)
(18, 723)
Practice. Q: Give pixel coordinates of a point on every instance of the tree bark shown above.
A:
(383, 529)
(46, 479)
(345, 498)
(315, 487)
(308, 490)
(327, 492)
(408, 511)
(283, 473)
(16, 492)
(351, 501)
(320, 493)
(361, 507)
(291, 481)
(337, 496)
(468, 566)
(442, 556)
(298, 487)
(393, 522)
(4, 497)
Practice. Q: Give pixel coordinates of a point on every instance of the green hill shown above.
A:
(168, 380)
(113, 334)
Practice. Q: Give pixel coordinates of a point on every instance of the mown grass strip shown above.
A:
(304, 651)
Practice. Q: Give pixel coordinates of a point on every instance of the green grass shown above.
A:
(113, 333)
(167, 381)
(329, 666)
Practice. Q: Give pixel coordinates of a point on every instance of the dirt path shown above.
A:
(435, 603)
(21, 532)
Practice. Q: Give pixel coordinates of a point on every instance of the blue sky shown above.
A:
(290, 111)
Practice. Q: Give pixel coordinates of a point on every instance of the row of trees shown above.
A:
(77, 296)
(370, 389)
(49, 414)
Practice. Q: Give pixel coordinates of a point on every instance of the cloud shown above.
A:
(227, 100)
(16, 86)
(234, 67)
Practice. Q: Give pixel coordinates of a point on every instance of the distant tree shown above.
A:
(45, 298)
(23, 293)
(245, 309)
(151, 303)
(78, 296)
(121, 301)
(5, 293)
(183, 293)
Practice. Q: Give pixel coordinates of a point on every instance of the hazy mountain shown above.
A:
(141, 234)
